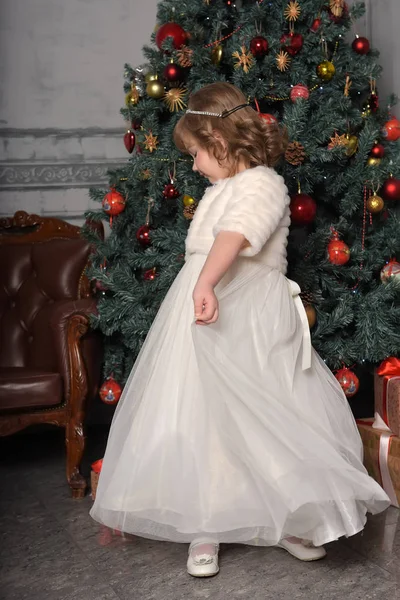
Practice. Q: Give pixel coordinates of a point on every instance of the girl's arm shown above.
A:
(222, 255)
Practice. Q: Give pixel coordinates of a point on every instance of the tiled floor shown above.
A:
(52, 550)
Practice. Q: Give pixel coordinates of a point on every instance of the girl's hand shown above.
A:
(205, 304)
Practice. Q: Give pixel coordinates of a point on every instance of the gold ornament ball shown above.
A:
(188, 200)
(150, 77)
(352, 144)
(375, 204)
(155, 89)
(373, 162)
(326, 70)
(216, 54)
(311, 315)
(132, 97)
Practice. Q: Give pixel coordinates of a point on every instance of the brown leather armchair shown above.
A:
(50, 359)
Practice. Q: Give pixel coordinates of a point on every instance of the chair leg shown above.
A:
(75, 442)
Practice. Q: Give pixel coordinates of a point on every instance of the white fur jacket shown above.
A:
(255, 203)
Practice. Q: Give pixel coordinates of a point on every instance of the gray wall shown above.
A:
(61, 73)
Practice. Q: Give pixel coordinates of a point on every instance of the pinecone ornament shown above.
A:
(185, 57)
(295, 153)
(188, 212)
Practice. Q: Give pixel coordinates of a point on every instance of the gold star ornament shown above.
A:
(283, 61)
(292, 11)
(244, 59)
(337, 140)
(174, 99)
(150, 142)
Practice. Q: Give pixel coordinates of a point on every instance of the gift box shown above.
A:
(382, 456)
(387, 393)
(94, 476)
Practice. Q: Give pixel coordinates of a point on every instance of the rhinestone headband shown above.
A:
(225, 113)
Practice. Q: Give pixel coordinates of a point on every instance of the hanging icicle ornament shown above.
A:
(129, 140)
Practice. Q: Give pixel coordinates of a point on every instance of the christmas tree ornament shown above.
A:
(217, 54)
(303, 209)
(173, 98)
(188, 200)
(316, 24)
(150, 77)
(311, 315)
(351, 144)
(373, 162)
(333, 13)
(299, 92)
(295, 153)
(349, 382)
(244, 59)
(347, 86)
(155, 89)
(150, 275)
(143, 235)
(170, 192)
(129, 141)
(113, 203)
(375, 204)
(268, 118)
(146, 174)
(150, 142)
(259, 46)
(377, 150)
(132, 97)
(391, 130)
(390, 272)
(189, 211)
(185, 57)
(326, 70)
(374, 102)
(292, 11)
(283, 61)
(338, 251)
(337, 140)
(110, 391)
(361, 45)
(391, 189)
(174, 31)
(173, 72)
(292, 43)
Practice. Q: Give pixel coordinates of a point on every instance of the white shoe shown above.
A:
(303, 549)
(202, 565)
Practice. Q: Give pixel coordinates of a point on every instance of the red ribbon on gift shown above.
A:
(385, 441)
(388, 369)
(96, 466)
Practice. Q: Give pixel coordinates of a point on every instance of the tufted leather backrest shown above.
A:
(32, 277)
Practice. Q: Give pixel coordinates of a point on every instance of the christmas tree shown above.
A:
(295, 63)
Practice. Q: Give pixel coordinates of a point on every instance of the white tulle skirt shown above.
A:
(220, 432)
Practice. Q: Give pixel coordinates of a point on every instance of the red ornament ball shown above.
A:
(377, 151)
(150, 275)
(303, 209)
(110, 392)
(259, 46)
(349, 381)
(113, 203)
(170, 191)
(173, 72)
(143, 235)
(268, 118)
(292, 43)
(361, 45)
(129, 141)
(173, 30)
(391, 189)
(298, 92)
(338, 251)
(316, 24)
(391, 130)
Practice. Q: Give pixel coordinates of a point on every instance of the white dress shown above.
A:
(236, 430)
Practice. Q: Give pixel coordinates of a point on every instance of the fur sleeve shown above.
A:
(258, 204)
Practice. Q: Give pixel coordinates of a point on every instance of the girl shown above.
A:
(231, 428)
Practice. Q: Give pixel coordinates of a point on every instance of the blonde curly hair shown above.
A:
(248, 138)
